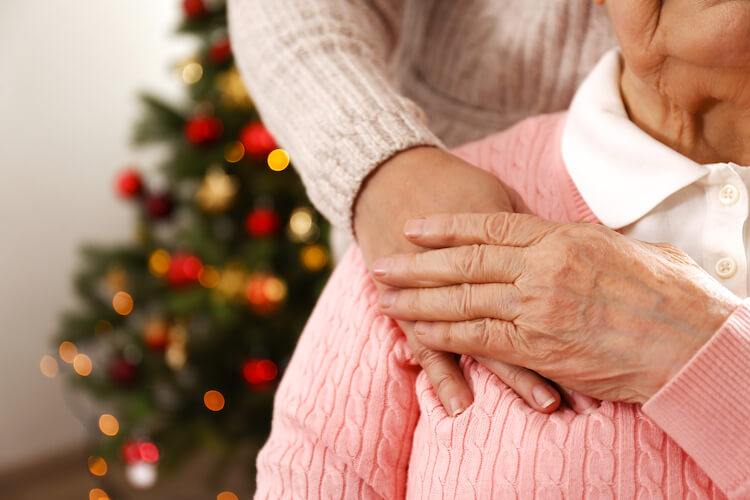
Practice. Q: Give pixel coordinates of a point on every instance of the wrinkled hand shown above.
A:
(606, 315)
(428, 180)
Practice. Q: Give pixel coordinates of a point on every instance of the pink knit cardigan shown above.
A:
(355, 417)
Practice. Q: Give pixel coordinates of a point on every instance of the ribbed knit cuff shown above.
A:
(705, 408)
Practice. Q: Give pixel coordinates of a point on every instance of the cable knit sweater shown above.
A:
(344, 85)
(354, 417)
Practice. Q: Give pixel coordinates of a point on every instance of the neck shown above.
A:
(704, 129)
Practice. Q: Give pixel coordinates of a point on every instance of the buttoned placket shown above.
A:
(724, 254)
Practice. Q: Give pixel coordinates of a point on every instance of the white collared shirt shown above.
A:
(645, 190)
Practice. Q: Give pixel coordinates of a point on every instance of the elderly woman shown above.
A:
(649, 151)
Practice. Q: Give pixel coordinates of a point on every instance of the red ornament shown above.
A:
(258, 373)
(183, 269)
(257, 140)
(134, 451)
(159, 205)
(194, 8)
(122, 372)
(202, 130)
(262, 222)
(149, 452)
(129, 183)
(220, 51)
(131, 454)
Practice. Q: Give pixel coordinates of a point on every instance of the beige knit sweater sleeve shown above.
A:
(318, 72)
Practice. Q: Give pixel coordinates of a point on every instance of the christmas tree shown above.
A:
(183, 333)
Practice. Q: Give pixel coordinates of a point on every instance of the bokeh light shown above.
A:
(82, 365)
(109, 425)
(278, 160)
(234, 152)
(313, 257)
(97, 466)
(192, 72)
(158, 262)
(48, 366)
(149, 452)
(98, 494)
(209, 277)
(259, 371)
(122, 303)
(302, 225)
(226, 495)
(213, 400)
(68, 351)
(275, 289)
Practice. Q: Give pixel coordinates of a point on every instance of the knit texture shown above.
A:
(355, 418)
(344, 85)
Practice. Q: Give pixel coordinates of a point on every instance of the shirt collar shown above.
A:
(621, 172)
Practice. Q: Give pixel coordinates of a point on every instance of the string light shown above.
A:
(109, 425)
(122, 302)
(82, 365)
(214, 400)
(234, 152)
(278, 160)
(68, 351)
(158, 262)
(313, 257)
(98, 494)
(209, 277)
(302, 225)
(48, 366)
(192, 72)
(97, 466)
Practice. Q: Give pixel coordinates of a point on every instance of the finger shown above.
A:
(447, 266)
(492, 338)
(534, 389)
(443, 372)
(499, 228)
(580, 403)
(452, 303)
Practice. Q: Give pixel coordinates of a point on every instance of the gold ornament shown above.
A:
(191, 71)
(232, 283)
(176, 353)
(233, 92)
(217, 191)
(278, 160)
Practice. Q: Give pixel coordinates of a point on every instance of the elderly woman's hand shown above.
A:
(429, 180)
(580, 304)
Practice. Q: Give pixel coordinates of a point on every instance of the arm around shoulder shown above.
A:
(318, 74)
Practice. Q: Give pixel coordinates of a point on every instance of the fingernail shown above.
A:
(414, 228)
(584, 403)
(381, 267)
(543, 396)
(422, 327)
(388, 298)
(457, 407)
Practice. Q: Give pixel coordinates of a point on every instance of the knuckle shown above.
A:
(513, 376)
(462, 298)
(496, 226)
(427, 358)
(471, 261)
(480, 333)
(444, 381)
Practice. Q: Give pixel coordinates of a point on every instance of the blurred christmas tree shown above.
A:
(184, 332)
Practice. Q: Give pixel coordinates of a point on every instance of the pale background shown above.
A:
(69, 72)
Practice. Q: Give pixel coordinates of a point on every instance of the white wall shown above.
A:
(69, 72)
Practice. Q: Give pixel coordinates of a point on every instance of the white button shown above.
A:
(728, 194)
(726, 268)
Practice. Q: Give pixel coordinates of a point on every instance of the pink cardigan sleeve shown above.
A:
(705, 408)
(345, 411)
